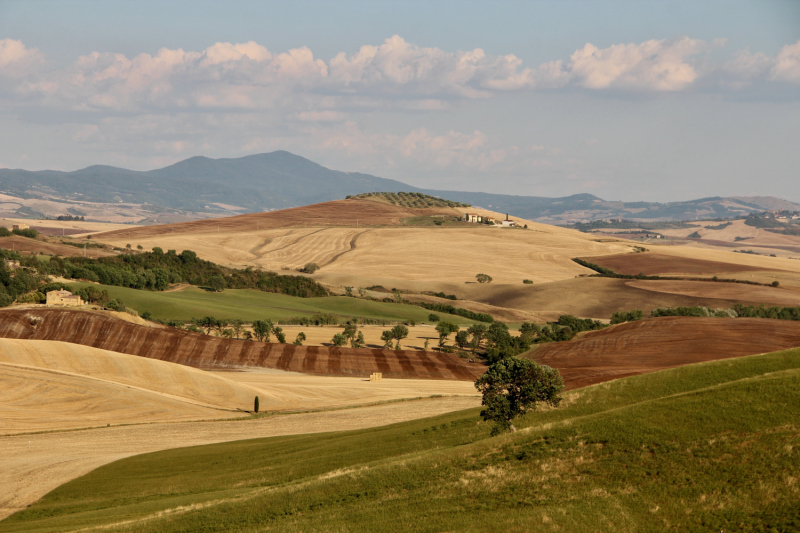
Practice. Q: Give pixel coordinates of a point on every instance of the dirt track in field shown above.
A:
(203, 351)
(33, 465)
(658, 343)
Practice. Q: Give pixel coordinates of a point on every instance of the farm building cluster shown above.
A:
(476, 218)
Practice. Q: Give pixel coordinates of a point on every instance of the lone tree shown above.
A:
(216, 283)
(310, 268)
(387, 338)
(478, 332)
(262, 329)
(445, 329)
(483, 278)
(298, 341)
(399, 332)
(255, 405)
(339, 340)
(462, 339)
(512, 386)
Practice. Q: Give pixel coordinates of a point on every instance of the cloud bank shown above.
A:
(396, 73)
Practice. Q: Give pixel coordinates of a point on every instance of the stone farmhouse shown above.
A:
(20, 226)
(473, 217)
(63, 299)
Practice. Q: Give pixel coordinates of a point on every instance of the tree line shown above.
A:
(156, 270)
(737, 311)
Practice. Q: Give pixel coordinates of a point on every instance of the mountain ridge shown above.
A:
(280, 179)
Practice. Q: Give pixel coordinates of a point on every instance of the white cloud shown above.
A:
(651, 65)
(15, 55)
(787, 64)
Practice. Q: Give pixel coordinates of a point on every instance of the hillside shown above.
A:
(359, 243)
(199, 187)
(203, 351)
(707, 447)
(658, 343)
(49, 385)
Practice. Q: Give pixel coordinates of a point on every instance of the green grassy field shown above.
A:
(709, 447)
(249, 305)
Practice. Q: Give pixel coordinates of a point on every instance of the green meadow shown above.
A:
(709, 447)
(249, 305)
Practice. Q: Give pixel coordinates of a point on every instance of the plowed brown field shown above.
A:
(722, 291)
(658, 343)
(202, 351)
(656, 264)
(336, 213)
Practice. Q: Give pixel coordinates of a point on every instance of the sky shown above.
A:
(626, 100)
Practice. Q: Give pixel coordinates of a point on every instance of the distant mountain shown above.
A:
(279, 180)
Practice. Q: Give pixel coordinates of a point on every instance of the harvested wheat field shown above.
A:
(33, 465)
(593, 297)
(70, 227)
(658, 343)
(35, 246)
(71, 385)
(748, 235)
(203, 351)
(359, 255)
(34, 399)
(292, 391)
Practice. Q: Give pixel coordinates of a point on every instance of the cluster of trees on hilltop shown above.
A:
(410, 199)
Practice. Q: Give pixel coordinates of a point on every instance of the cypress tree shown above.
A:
(255, 406)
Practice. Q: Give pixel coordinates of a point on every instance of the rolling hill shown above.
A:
(707, 447)
(203, 351)
(200, 186)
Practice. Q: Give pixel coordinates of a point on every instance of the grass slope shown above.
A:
(705, 447)
(250, 305)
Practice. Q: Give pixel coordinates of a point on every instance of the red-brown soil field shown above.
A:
(655, 264)
(658, 343)
(741, 292)
(336, 213)
(203, 351)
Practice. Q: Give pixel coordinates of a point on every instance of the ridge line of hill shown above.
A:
(279, 180)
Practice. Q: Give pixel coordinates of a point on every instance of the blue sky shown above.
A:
(655, 101)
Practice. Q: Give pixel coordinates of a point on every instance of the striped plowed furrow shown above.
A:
(203, 351)
(658, 343)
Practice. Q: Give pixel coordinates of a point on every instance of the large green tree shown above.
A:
(445, 329)
(399, 332)
(262, 329)
(513, 386)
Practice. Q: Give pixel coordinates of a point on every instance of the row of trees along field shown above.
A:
(738, 310)
(156, 270)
